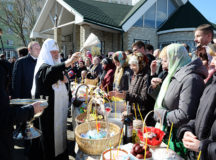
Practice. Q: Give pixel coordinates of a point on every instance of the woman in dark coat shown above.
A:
(179, 95)
(11, 115)
(107, 76)
(137, 93)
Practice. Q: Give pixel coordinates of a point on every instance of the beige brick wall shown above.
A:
(140, 33)
(112, 41)
(85, 31)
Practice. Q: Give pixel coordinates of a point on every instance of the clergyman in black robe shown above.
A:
(50, 81)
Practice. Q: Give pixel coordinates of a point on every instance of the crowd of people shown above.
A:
(177, 84)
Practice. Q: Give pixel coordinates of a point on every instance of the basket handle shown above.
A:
(152, 111)
(79, 88)
(89, 108)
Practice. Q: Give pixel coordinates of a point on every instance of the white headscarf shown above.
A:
(133, 60)
(45, 57)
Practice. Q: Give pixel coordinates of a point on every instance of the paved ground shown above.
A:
(19, 149)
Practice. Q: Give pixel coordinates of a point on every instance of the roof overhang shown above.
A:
(78, 17)
(178, 30)
(38, 30)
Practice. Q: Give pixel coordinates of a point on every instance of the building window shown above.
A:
(10, 7)
(10, 42)
(7, 54)
(25, 32)
(38, 9)
(157, 14)
(10, 19)
(139, 23)
(102, 47)
(161, 11)
(171, 7)
(9, 31)
(143, 40)
(149, 17)
(191, 44)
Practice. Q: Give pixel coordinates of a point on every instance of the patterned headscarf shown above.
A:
(121, 56)
(177, 56)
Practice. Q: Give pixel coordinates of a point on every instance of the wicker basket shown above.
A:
(93, 82)
(96, 147)
(80, 118)
(144, 126)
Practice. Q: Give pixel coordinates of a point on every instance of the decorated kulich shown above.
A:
(115, 153)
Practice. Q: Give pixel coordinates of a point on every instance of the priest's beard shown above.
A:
(55, 61)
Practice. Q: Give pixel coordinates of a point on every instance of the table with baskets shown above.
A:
(95, 147)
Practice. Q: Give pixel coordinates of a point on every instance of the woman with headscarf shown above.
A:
(107, 76)
(123, 72)
(180, 92)
(49, 80)
(137, 93)
(199, 134)
(95, 69)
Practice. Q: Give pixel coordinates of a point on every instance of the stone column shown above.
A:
(58, 37)
(85, 31)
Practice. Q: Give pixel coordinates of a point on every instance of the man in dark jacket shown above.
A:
(23, 71)
(10, 116)
(22, 79)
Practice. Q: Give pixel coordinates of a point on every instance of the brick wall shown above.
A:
(111, 40)
(140, 33)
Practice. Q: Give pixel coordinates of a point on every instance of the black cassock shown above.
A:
(53, 127)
